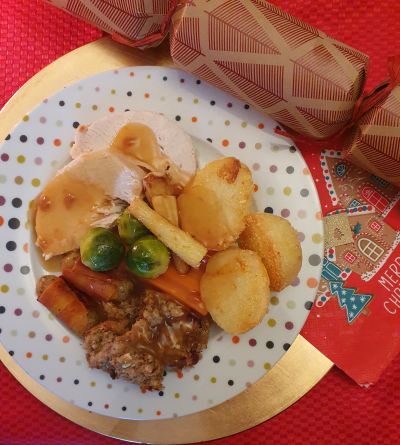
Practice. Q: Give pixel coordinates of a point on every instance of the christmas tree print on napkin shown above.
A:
(348, 298)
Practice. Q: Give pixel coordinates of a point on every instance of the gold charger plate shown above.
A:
(294, 375)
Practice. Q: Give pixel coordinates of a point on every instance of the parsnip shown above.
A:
(180, 242)
(156, 185)
(166, 206)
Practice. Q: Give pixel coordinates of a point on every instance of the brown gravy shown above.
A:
(65, 198)
(163, 341)
(140, 142)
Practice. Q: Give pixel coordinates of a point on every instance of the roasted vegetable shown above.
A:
(96, 285)
(276, 241)
(214, 205)
(183, 288)
(130, 229)
(62, 301)
(156, 185)
(180, 242)
(101, 249)
(165, 205)
(148, 257)
(235, 290)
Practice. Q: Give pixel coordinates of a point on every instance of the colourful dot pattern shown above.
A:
(39, 145)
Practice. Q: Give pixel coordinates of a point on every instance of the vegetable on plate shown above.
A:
(214, 205)
(148, 257)
(180, 242)
(101, 249)
(156, 185)
(166, 206)
(276, 241)
(183, 288)
(235, 290)
(130, 229)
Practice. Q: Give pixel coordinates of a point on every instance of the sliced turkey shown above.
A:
(170, 152)
(89, 191)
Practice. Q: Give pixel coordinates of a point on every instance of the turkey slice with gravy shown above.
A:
(89, 191)
(155, 142)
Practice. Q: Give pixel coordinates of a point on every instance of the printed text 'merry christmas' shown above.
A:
(390, 280)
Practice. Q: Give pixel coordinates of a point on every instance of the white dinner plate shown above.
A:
(220, 126)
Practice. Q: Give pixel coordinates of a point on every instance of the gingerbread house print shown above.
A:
(357, 236)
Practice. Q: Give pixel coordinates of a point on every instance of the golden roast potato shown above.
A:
(235, 290)
(275, 240)
(213, 206)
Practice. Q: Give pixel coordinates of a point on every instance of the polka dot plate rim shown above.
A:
(39, 145)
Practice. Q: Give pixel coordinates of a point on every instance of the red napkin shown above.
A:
(355, 320)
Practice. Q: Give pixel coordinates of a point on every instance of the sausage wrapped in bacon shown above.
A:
(97, 285)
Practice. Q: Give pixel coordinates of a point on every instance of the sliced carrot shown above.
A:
(184, 288)
(190, 280)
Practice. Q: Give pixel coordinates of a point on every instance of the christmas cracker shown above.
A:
(374, 142)
(281, 66)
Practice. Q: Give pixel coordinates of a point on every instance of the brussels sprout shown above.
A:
(101, 249)
(130, 229)
(148, 257)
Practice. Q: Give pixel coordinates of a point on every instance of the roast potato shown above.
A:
(275, 240)
(213, 206)
(235, 290)
(202, 215)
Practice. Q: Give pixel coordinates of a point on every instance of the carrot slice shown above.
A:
(184, 288)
